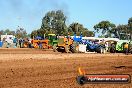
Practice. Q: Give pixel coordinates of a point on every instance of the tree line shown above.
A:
(55, 22)
(19, 33)
(108, 29)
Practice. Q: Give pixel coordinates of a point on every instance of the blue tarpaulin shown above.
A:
(1, 43)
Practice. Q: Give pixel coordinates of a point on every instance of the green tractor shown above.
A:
(118, 46)
(53, 40)
(130, 47)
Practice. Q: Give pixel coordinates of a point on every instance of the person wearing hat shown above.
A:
(126, 48)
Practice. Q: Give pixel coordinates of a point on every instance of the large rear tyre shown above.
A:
(55, 48)
(113, 48)
(73, 49)
(67, 49)
(98, 50)
(130, 48)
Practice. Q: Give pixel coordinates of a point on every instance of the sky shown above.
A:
(28, 14)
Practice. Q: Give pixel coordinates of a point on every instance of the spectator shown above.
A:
(15, 42)
(20, 41)
(9, 42)
(126, 48)
(30, 43)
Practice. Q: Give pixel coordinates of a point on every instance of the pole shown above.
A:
(44, 36)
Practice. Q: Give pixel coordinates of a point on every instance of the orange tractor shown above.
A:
(66, 45)
(43, 43)
(26, 43)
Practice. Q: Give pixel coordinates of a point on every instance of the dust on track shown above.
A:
(31, 68)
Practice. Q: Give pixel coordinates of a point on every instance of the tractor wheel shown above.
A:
(55, 48)
(123, 47)
(72, 49)
(130, 48)
(99, 50)
(113, 48)
(130, 51)
(81, 80)
(67, 49)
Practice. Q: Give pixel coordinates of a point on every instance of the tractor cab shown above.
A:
(53, 39)
(39, 42)
(65, 44)
(94, 45)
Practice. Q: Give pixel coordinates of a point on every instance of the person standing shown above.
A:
(126, 48)
(20, 41)
(4, 42)
(14, 42)
(103, 46)
(9, 42)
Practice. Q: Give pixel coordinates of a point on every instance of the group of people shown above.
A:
(13, 42)
(20, 42)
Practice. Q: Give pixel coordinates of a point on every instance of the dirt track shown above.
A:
(30, 68)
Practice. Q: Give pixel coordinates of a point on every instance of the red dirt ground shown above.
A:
(34, 68)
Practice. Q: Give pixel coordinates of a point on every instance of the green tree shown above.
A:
(121, 31)
(75, 28)
(105, 27)
(21, 33)
(1, 32)
(88, 33)
(130, 23)
(78, 28)
(34, 34)
(130, 26)
(41, 32)
(54, 22)
(7, 31)
(12, 33)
